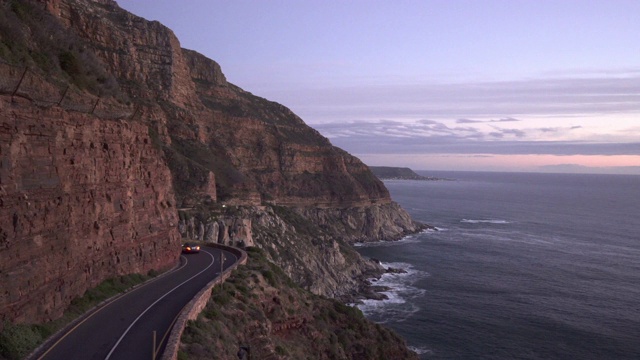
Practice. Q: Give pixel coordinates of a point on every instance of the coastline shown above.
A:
(510, 272)
(384, 286)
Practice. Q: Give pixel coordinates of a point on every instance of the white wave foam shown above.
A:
(405, 240)
(409, 239)
(487, 221)
(420, 350)
(399, 305)
(395, 277)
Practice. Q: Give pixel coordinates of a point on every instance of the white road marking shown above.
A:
(111, 301)
(150, 306)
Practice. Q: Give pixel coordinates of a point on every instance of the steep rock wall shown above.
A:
(311, 255)
(194, 135)
(258, 150)
(287, 162)
(382, 222)
(81, 199)
(231, 230)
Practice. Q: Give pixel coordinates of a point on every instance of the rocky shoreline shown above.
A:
(373, 291)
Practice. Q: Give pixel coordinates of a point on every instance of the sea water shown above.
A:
(522, 266)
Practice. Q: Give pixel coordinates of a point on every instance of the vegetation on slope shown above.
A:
(31, 36)
(261, 309)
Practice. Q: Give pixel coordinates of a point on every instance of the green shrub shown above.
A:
(182, 355)
(281, 351)
(22, 9)
(70, 64)
(16, 341)
(152, 273)
(194, 332)
(220, 295)
(211, 312)
(270, 277)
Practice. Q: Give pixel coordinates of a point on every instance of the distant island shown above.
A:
(399, 173)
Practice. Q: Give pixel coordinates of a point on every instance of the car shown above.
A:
(188, 248)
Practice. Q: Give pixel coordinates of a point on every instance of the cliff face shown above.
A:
(306, 251)
(81, 199)
(101, 197)
(259, 150)
(228, 146)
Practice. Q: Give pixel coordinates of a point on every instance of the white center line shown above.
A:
(150, 306)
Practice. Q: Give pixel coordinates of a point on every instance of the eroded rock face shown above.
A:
(386, 221)
(81, 200)
(226, 230)
(309, 244)
(258, 150)
(94, 198)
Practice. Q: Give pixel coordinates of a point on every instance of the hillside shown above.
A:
(388, 172)
(398, 173)
(286, 322)
(116, 143)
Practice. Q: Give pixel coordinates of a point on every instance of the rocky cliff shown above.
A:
(81, 199)
(101, 197)
(258, 150)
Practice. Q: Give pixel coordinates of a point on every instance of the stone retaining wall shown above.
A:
(195, 306)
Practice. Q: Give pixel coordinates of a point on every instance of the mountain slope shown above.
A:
(175, 150)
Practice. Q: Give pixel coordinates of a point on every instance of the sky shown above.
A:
(477, 85)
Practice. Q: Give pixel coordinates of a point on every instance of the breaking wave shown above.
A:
(487, 221)
(420, 350)
(413, 238)
(399, 305)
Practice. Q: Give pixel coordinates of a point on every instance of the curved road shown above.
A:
(123, 328)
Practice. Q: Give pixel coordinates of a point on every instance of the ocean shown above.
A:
(523, 266)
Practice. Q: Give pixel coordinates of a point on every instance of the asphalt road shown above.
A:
(123, 328)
